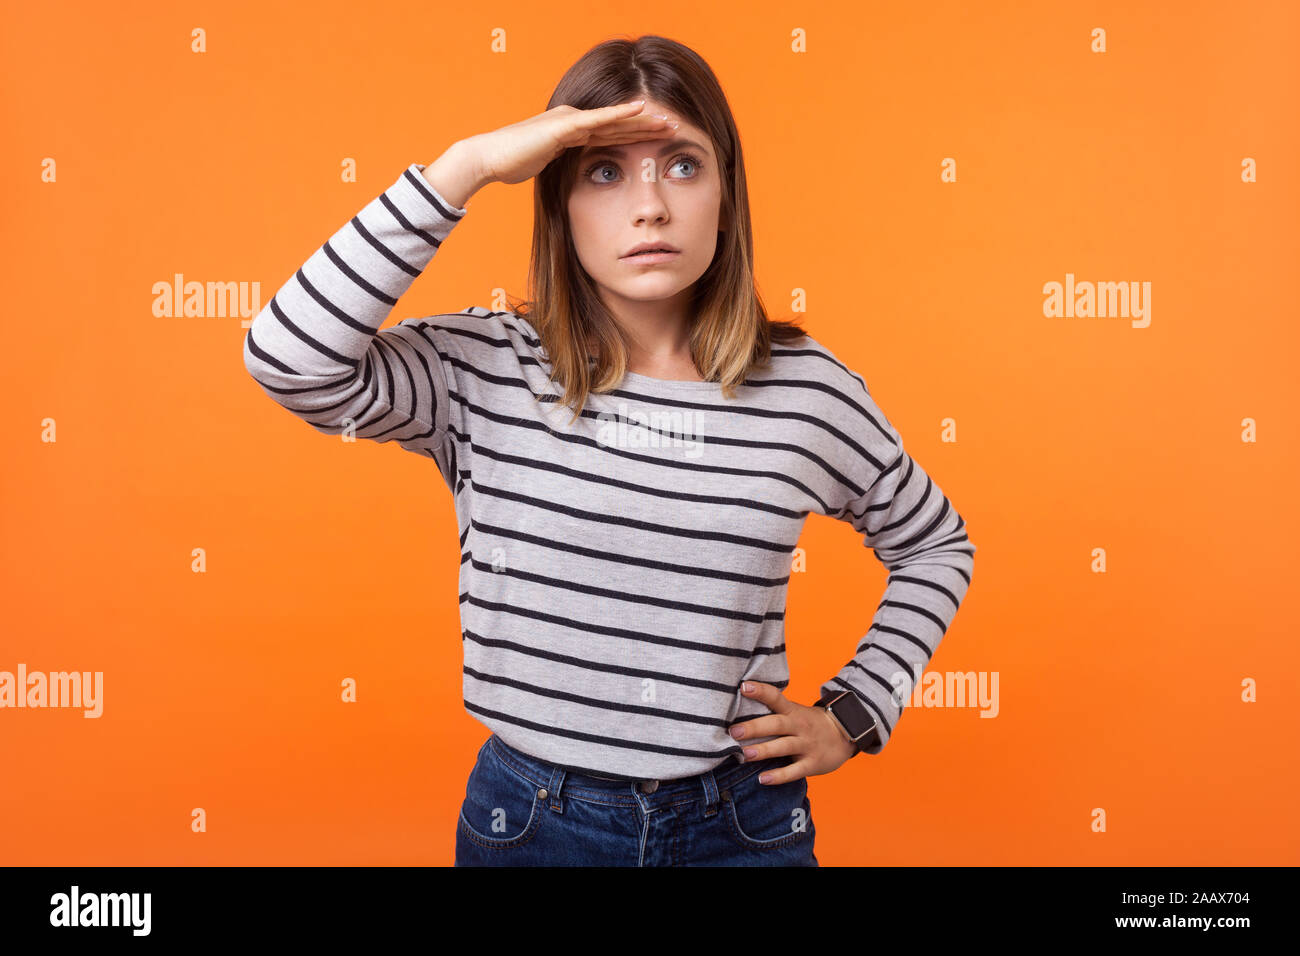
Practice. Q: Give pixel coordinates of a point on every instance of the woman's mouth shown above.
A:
(651, 258)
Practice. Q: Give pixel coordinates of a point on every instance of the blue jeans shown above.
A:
(521, 811)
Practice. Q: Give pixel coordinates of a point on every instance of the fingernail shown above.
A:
(747, 687)
(764, 777)
(750, 751)
(737, 732)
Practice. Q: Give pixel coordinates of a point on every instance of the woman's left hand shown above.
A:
(808, 733)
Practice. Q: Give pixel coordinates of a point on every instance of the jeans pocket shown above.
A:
(769, 816)
(501, 807)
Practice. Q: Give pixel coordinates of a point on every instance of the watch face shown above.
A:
(853, 714)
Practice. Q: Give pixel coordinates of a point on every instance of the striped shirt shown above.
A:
(620, 575)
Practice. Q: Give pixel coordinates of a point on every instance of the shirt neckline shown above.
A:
(646, 381)
(636, 379)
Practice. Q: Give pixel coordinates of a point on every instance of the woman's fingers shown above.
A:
(606, 114)
(581, 126)
(615, 120)
(612, 126)
(617, 133)
(622, 140)
(630, 136)
(584, 122)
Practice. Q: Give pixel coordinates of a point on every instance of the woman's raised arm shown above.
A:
(316, 348)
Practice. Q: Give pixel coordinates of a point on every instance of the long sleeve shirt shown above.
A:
(621, 574)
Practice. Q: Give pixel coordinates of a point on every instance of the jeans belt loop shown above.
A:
(710, 793)
(553, 789)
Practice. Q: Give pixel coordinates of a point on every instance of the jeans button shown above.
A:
(541, 794)
(649, 786)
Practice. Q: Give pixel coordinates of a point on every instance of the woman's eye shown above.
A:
(688, 161)
(600, 167)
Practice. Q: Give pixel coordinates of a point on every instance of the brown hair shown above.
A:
(730, 333)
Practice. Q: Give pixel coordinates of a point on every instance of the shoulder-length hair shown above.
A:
(730, 333)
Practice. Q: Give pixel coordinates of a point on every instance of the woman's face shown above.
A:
(666, 190)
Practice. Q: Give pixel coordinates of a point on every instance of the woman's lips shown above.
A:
(650, 258)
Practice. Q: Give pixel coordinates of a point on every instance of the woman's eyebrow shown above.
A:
(618, 152)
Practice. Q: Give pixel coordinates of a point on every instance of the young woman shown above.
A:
(632, 455)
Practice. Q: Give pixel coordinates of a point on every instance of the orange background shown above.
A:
(327, 560)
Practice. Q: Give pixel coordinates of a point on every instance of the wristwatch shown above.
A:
(847, 710)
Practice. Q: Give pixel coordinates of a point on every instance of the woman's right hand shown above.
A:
(521, 150)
